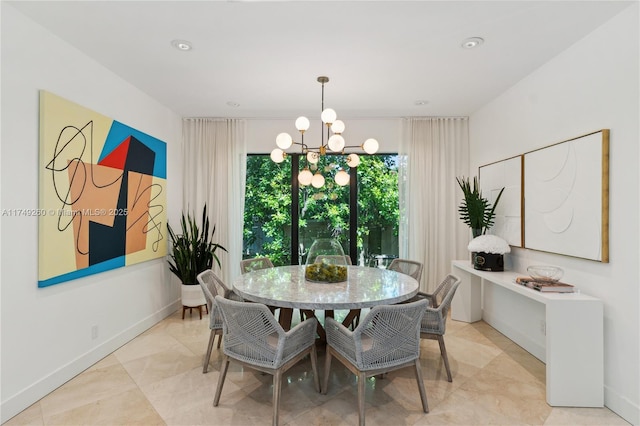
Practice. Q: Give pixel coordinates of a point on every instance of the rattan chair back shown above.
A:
(248, 265)
(407, 267)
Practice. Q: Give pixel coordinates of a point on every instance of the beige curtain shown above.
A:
(433, 151)
(214, 171)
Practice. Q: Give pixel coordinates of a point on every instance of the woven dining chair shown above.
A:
(248, 265)
(434, 321)
(407, 267)
(228, 293)
(212, 286)
(387, 339)
(253, 338)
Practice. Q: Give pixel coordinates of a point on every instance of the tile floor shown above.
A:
(156, 379)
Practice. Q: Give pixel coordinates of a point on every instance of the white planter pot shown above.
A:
(192, 296)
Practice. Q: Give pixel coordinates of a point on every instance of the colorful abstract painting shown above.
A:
(102, 193)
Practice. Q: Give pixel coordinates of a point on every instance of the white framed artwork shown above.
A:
(505, 174)
(566, 197)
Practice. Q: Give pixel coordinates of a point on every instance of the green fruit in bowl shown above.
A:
(323, 272)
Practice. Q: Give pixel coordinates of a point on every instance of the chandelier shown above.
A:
(335, 143)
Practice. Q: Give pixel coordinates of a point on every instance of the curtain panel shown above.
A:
(433, 152)
(214, 170)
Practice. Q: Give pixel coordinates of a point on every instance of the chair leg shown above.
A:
(362, 380)
(212, 337)
(277, 383)
(219, 340)
(223, 374)
(423, 393)
(443, 352)
(314, 367)
(327, 370)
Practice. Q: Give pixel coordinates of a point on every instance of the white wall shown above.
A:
(46, 333)
(591, 86)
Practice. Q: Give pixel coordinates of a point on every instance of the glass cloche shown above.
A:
(326, 262)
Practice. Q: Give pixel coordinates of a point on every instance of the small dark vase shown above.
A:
(487, 261)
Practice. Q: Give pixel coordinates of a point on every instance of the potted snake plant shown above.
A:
(192, 251)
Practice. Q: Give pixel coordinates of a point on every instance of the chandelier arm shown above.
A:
(325, 145)
(303, 146)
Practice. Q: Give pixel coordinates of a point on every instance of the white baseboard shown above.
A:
(622, 406)
(36, 391)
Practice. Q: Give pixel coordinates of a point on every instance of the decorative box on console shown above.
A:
(487, 253)
(488, 261)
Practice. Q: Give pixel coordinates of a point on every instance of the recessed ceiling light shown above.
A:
(420, 103)
(181, 45)
(233, 104)
(472, 42)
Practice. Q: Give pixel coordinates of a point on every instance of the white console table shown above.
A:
(564, 330)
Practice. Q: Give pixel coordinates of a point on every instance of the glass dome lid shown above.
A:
(326, 262)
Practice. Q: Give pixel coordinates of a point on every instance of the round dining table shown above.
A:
(286, 287)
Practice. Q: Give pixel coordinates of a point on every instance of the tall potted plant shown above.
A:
(487, 251)
(475, 210)
(193, 251)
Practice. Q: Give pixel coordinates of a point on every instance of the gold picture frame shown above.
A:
(505, 174)
(566, 197)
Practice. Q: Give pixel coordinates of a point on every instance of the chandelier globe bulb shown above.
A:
(277, 155)
(304, 177)
(328, 116)
(337, 126)
(336, 143)
(312, 157)
(342, 178)
(370, 146)
(302, 123)
(317, 181)
(284, 140)
(353, 160)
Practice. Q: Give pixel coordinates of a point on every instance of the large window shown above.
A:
(378, 209)
(363, 215)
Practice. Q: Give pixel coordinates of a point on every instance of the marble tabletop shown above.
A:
(286, 287)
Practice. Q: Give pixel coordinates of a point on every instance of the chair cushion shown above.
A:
(367, 343)
(272, 340)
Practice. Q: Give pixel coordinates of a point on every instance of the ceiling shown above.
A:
(261, 59)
